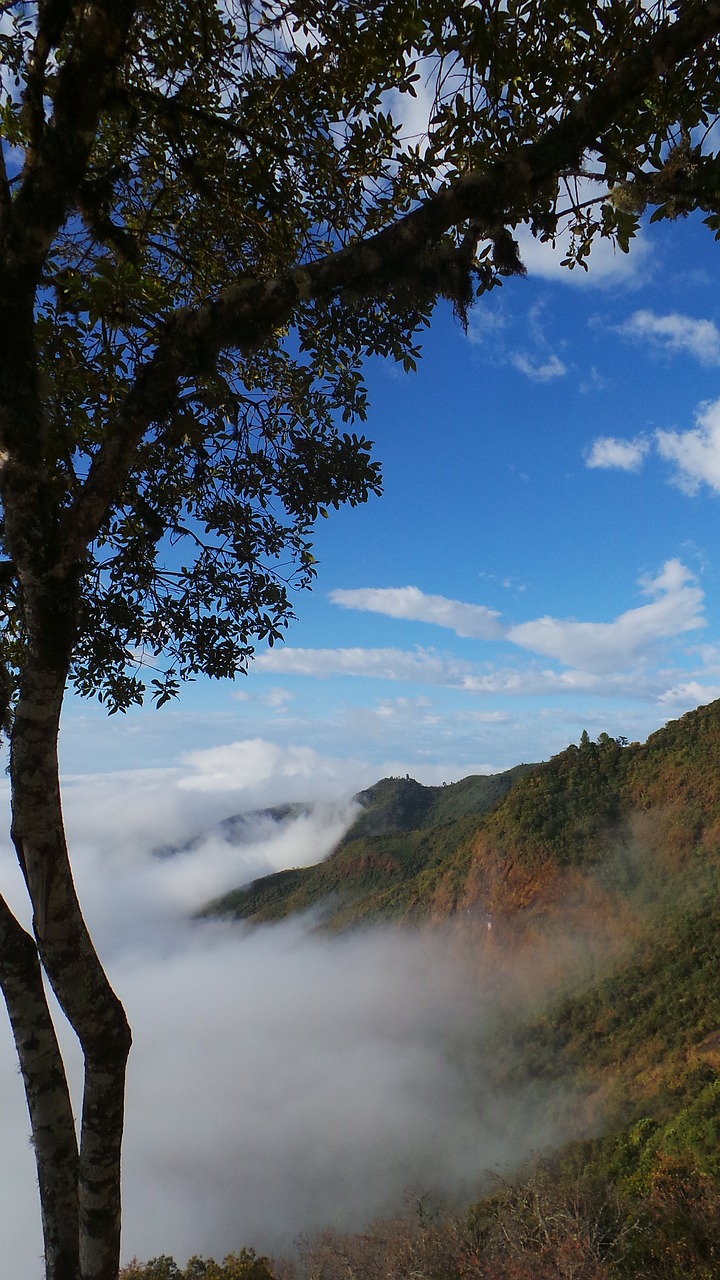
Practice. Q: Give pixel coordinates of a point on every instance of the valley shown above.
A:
(586, 891)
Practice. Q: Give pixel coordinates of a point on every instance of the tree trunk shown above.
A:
(63, 942)
(48, 1097)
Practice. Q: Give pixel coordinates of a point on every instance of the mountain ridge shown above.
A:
(508, 843)
(598, 874)
(402, 828)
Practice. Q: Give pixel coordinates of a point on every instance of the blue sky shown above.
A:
(545, 557)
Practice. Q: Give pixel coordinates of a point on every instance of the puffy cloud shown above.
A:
(674, 332)
(622, 455)
(689, 694)
(604, 646)
(539, 369)
(607, 266)
(253, 769)
(696, 453)
(472, 620)
(156, 838)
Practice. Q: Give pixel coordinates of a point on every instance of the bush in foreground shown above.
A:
(245, 1265)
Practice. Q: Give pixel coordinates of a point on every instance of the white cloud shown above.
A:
(122, 827)
(608, 266)
(634, 683)
(530, 353)
(593, 382)
(428, 668)
(601, 657)
(589, 646)
(539, 369)
(599, 647)
(472, 620)
(696, 453)
(283, 1083)
(622, 455)
(379, 664)
(689, 694)
(531, 682)
(412, 112)
(255, 768)
(278, 698)
(486, 325)
(674, 332)
(506, 681)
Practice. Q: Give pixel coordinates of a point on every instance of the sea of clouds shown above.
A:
(281, 1080)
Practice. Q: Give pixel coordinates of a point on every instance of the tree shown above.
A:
(245, 1265)
(208, 219)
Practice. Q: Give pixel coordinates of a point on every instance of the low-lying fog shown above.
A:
(280, 1080)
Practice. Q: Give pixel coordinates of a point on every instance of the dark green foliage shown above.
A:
(393, 804)
(645, 1036)
(262, 898)
(566, 804)
(366, 878)
(187, 447)
(401, 804)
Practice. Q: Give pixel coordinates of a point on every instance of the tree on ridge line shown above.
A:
(208, 219)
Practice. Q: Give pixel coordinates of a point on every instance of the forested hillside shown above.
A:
(403, 831)
(609, 844)
(514, 842)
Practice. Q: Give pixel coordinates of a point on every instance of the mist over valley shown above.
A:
(337, 1002)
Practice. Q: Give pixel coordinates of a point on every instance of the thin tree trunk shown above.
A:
(48, 583)
(64, 944)
(48, 1098)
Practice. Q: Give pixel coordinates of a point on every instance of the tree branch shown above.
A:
(54, 168)
(245, 313)
(5, 195)
(52, 19)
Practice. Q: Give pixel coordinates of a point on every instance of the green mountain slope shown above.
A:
(613, 849)
(641, 1037)
(512, 843)
(605, 808)
(402, 830)
(621, 841)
